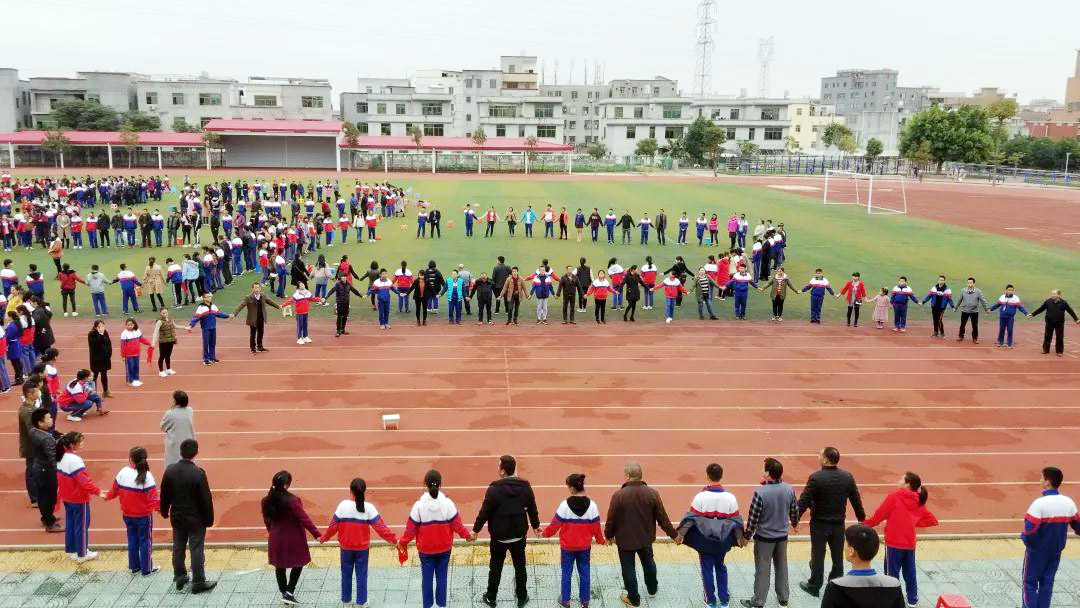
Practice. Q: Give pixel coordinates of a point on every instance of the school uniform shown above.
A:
(74, 489)
(577, 522)
(740, 284)
(138, 501)
(381, 288)
(940, 298)
(206, 317)
(817, 288)
(1008, 305)
(1046, 526)
(433, 523)
(301, 301)
(130, 351)
(673, 288)
(711, 527)
(353, 528)
(128, 281)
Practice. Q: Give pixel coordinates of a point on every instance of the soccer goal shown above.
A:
(880, 194)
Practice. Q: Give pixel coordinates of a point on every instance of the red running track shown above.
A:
(975, 421)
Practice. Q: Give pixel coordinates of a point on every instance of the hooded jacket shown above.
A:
(509, 505)
(902, 513)
(433, 523)
(577, 522)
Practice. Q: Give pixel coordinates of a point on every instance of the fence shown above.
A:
(97, 156)
(812, 165)
(1003, 174)
(472, 162)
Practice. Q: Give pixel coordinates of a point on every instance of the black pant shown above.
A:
(483, 305)
(66, 295)
(342, 317)
(421, 311)
(569, 307)
(104, 236)
(731, 236)
(629, 573)
(104, 380)
(974, 316)
(435, 228)
(583, 298)
(255, 339)
(495, 566)
(31, 490)
(825, 535)
(145, 238)
(45, 488)
(778, 306)
(660, 237)
(512, 306)
(160, 301)
(563, 232)
(853, 309)
(294, 577)
(939, 320)
(631, 306)
(1056, 331)
(600, 310)
(164, 358)
(178, 293)
(185, 537)
(490, 229)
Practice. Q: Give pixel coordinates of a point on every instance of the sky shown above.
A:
(957, 45)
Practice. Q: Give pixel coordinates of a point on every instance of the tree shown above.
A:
(417, 136)
(479, 137)
(847, 144)
(211, 140)
(185, 127)
(961, 135)
(352, 138)
(874, 148)
(129, 138)
(747, 149)
(697, 138)
(1003, 109)
(57, 143)
(713, 144)
(82, 115)
(140, 121)
(646, 147)
(833, 133)
(597, 150)
(791, 145)
(675, 148)
(530, 144)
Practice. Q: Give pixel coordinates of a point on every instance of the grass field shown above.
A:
(840, 239)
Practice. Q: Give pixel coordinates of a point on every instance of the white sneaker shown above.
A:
(137, 383)
(73, 418)
(65, 314)
(667, 320)
(89, 556)
(74, 314)
(171, 372)
(307, 339)
(299, 340)
(163, 374)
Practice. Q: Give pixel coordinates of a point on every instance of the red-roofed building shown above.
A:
(104, 139)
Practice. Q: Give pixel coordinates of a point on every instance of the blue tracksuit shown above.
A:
(817, 288)
(1008, 305)
(455, 295)
(740, 284)
(1046, 526)
(899, 299)
(206, 317)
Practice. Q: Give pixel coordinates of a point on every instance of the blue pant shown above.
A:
(92, 237)
(455, 310)
(903, 560)
(402, 302)
(344, 235)
(29, 357)
(77, 528)
(157, 236)
(528, 230)
(815, 307)
(468, 228)
(740, 305)
(131, 368)
(433, 570)
(76, 239)
(100, 308)
(714, 577)
(140, 539)
(354, 563)
(610, 233)
(78, 409)
(129, 296)
(281, 276)
(669, 308)
(384, 315)
(130, 236)
(644, 237)
(1005, 327)
(301, 326)
(371, 234)
(5, 380)
(581, 559)
(900, 315)
(329, 238)
(617, 297)
(1039, 572)
(549, 230)
(237, 263)
(682, 236)
(433, 301)
(650, 296)
(209, 344)
(704, 304)
(320, 290)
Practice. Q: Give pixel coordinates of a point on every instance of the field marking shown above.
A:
(510, 372)
(621, 408)
(649, 358)
(1019, 228)
(770, 389)
(585, 333)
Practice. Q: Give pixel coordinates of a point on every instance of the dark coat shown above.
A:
(340, 291)
(633, 284)
(1055, 311)
(483, 290)
(632, 517)
(419, 291)
(568, 287)
(100, 351)
(434, 279)
(298, 273)
(499, 274)
(186, 497)
(43, 333)
(287, 546)
(509, 509)
(827, 493)
(584, 277)
(251, 307)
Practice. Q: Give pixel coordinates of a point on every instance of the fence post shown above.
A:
(11, 155)
(159, 167)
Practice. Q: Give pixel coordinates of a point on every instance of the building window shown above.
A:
(496, 111)
(307, 101)
(798, 111)
(431, 108)
(433, 129)
(750, 137)
(468, 83)
(672, 132)
(813, 129)
(631, 132)
(652, 132)
(618, 111)
(672, 111)
(151, 99)
(571, 140)
(265, 100)
(209, 99)
(468, 118)
(588, 95)
(493, 83)
(573, 95)
(545, 110)
(408, 128)
(545, 131)
(596, 124)
(384, 128)
(585, 110)
(205, 119)
(733, 114)
(573, 124)
(94, 98)
(639, 112)
(798, 128)
(521, 130)
(656, 90)
(380, 108)
(468, 100)
(730, 133)
(500, 130)
(361, 107)
(178, 123)
(774, 133)
(177, 99)
(399, 109)
(362, 126)
(770, 113)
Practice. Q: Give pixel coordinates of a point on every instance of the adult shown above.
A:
(826, 495)
(863, 586)
(968, 303)
(297, 272)
(584, 280)
(1055, 309)
(42, 316)
(43, 453)
(286, 521)
(30, 395)
(100, 347)
(154, 282)
(187, 503)
(513, 292)
(1046, 527)
(773, 510)
(254, 305)
(435, 219)
(632, 517)
(509, 508)
(499, 275)
(178, 424)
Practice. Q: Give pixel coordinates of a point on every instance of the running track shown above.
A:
(975, 421)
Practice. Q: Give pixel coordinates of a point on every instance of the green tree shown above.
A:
(696, 139)
(747, 149)
(140, 121)
(530, 144)
(57, 143)
(417, 136)
(129, 138)
(185, 127)
(791, 145)
(675, 148)
(352, 138)
(646, 147)
(597, 150)
(833, 133)
(479, 137)
(211, 140)
(1003, 109)
(82, 115)
(874, 148)
(961, 135)
(713, 144)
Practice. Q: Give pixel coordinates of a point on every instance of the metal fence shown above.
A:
(799, 164)
(1006, 174)
(94, 156)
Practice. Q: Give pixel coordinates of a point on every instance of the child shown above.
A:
(817, 287)
(616, 273)
(648, 281)
(403, 280)
(577, 522)
(206, 315)
(901, 293)
(128, 281)
(131, 341)
(542, 289)
(881, 308)
(302, 301)
(433, 521)
(855, 291)
(599, 290)
(903, 511)
(740, 284)
(1009, 303)
(134, 486)
(76, 398)
(381, 288)
(74, 489)
(672, 287)
(353, 521)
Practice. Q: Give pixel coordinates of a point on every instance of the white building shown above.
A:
(639, 109)
(111, 89)
(580, 109)
(392, 106)
(14, 101)
(761, 121)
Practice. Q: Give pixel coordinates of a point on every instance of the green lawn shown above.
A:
(840, 239)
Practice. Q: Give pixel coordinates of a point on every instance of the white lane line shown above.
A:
(1017, 228)
(621, 408)
(413, 389)
(510, 372)
(645, 358)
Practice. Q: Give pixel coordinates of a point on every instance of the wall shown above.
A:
(13, 110)
(283, 151)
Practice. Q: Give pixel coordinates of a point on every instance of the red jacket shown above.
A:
(69, 279)
(852, 292)
(136, 500)
(902, 513)
(433, 522)
(354, 528)
(577, 522)
(73, 483)
(301, 302)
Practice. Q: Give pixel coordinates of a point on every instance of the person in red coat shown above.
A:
(286, 521)
(903, 511)
(855, 292)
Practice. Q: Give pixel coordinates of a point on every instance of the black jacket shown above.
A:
(340, 291)
(626, 222)
(584, 277)
(827, 493)
(185, 496)
(43, 450)
(568, 287)
(680, 270)
(100, 351)
(1055, 311)
(43, 334)
(434, 280)
(633, 287)
(483, 290)
(499, 274)
(509, 509)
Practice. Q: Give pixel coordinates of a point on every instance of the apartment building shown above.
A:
(761, 121)
(877, 95)
(638, 109)
(14, 101)
(392, 106)
(807, 121)
(112, 89)
(580, 110)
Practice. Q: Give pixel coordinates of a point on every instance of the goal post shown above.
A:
(879, 194)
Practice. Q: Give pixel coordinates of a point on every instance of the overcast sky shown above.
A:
(958, 45)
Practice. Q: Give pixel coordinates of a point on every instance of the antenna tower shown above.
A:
(764, 58)
(704, 48)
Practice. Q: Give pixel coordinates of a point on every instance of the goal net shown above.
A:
(879, 194)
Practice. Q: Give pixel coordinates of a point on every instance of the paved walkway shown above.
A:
(987, 572)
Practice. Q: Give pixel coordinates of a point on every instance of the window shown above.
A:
(770, 113)
(363, 128)
(672, 132)
(587, 124)
(451, 90)
(266, 100)
(545, 110)
(631, 132)
(308, 101)
(94, 98)
(652, 132)
(151, 99)
(408, 128)
(380, 108)
(733, 114)
(205, 119)
(798, 111)
(545, 130)
(633, 90)
(178, 123)
(209, 99)
(750, 137)
(596, 124)
(672, 111)
(468, 83)
(656, 90)
(431, 108)
(813, 129)
(512, 70)
(573, 124)
(774, 133)
(588, 95)
(497, 111)
(493, 84)
(500, 130)
(361, 107)
(573, 94)
(521, 131)
(399, 109)
(433, 129)
(730, 133)
(618, 111)
(177, 99)
(468, 118)
(798, 128)
(585, 110)
(571, 140)
(639, 112)
(384, 128)
(468, 100)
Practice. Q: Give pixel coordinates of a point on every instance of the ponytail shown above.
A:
(142, 467)
(274, 503)
(67, 442)
(576, 481)
(914, 482)
(433, 481)
(358, 487)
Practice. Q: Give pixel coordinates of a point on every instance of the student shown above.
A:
(778, 287)
(579, 224)
(433, 521)
(1046, 528)
(740, 284)
(903, 511)
(712, 527)
(855, 292)
(128, 282)
(352, 523)
(616, 273)
(131, 341)
(940, 298)
(341, 291)
(700, 226)
(881, 308)
(74, 489)
(206, 315)
(76, 398)
(403, 279)
(773, 511)
(862, 586)
(599, 290)
(673, 289)
(577, 522)
(899, 298)
(286, 521)
(302, 300)
(511, 222)
(648, 281)
(455, 291)
(817, 286)
(968, 303)
(1009, 303)
(174, 275)
(163, 341)
(632, 285)
(68, 279)
(542, 289)
(134, 486)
